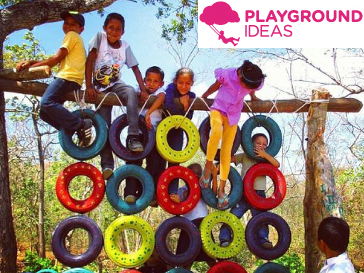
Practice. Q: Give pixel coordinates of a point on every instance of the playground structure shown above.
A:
(318, 187)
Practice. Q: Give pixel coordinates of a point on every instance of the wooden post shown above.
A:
(321, 198)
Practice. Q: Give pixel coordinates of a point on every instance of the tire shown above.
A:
(114, 182)
(272, 268)
(209, 246)
(275, 136)
(162, 190)
(111, 241)
(252, 240)
(84, 153)
(235, 193)
(46, 271)
(204, 131)
(130, 271)
(148, 139)
(64, 179)
(193, 138)
(161, 244)
(280, 187)
(60, 233)
(226, 267)
(179, 270)
(78, 270)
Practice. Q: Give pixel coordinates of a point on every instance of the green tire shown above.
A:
(112, 238)
(213, 249)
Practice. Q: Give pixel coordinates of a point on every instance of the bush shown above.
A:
(292, 261)
(35, 263)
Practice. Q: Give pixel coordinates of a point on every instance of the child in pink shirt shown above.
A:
(233, 85)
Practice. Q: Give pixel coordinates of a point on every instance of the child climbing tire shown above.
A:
(162, 190)
(112, 239)
(275, 136)
(272, 268)
(113, 184)
(161, 243)
(253, 241)
(59, 236)
(235, 192)
(280, 187)
(147, 139)
(213, 249)
(84, 153)
(193, 139)
(226, 267)
(204, 131)
(64, 179)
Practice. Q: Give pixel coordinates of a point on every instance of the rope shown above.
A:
(104, 98)
(188, 110)
(145, 103)
(214, 29)
(309, 101)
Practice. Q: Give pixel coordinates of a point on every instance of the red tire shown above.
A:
(226, 267)
(130, 271)
(162, 190)
(64, 179)
(279, 182)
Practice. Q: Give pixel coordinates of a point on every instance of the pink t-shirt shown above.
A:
(230, 97)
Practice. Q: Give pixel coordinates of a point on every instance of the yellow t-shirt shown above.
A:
(246, 162)
(72, 67)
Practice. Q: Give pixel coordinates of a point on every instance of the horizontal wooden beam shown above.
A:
(33, 73)
(280, 106)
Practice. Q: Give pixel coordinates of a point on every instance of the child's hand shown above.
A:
(148, 121)
(91, 93)
(23, 65)
(260, 152)
(253, 97)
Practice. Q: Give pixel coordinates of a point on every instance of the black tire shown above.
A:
(84, 153)
(204, 131)
(272, 268)
(161, 236)
(235, 194)
(252, 240)
(147, 139)
(113, 184)
(60, 233)
(275, 136)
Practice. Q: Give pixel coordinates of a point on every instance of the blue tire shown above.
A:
(235, 194)
(114, 182)
(194, 244)
(204, 131)
(84, 153)
(60, 233)
(253, 242)
(77, 270)
(45, 271)
(272, 268)
(179, 270)
(148, 139)
(275, 136)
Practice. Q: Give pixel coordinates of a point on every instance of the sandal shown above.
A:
(204, 182)
(223, 203)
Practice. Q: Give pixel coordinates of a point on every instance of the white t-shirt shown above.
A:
(339, 264)
(246, 162)
(199, 211)
(156, 115)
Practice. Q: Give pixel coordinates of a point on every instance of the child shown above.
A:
(196, 216)
(333, 239)
(155, 164)
(71, 57)
(107, 55)
(233, 85)
(179, 89)
(260, 143)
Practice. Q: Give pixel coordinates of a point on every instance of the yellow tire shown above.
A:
(213, 249)
(193, 139)
(112, 238)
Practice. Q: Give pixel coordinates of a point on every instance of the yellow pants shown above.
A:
(221, 130)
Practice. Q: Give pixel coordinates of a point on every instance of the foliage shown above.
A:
(184, 17)
(35, 263)
(292, 261)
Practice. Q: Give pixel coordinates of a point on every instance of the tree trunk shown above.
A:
(320, 185)
(7, 235)
(41, 236)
